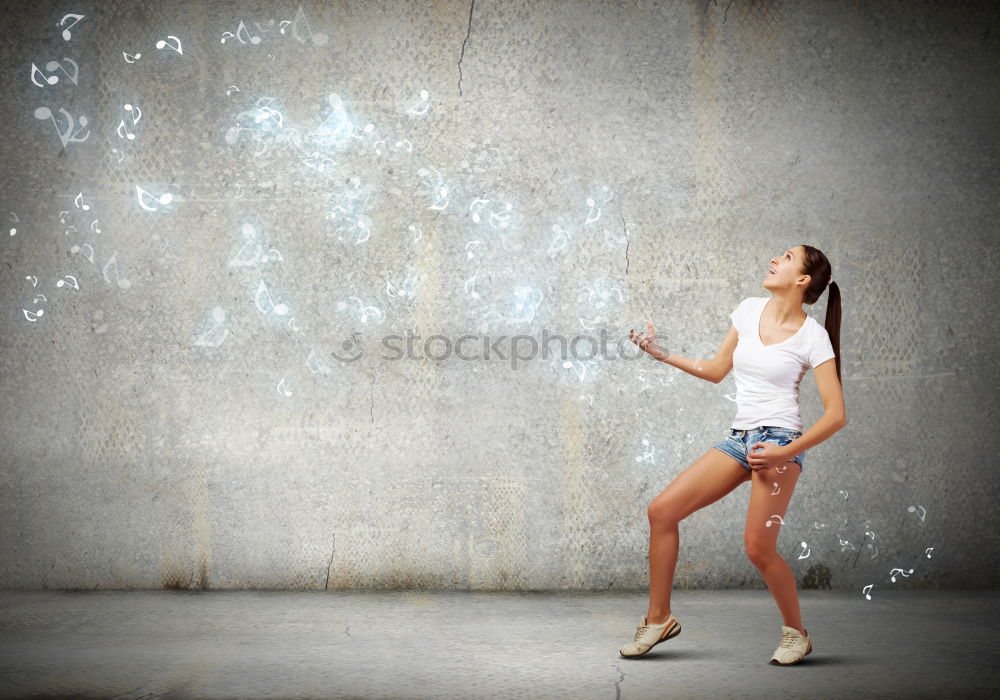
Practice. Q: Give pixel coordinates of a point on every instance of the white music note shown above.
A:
(164, 199)
(66, 33)
(218, 317)
(243, 29)
(113, 262)
(79, 203)
(281, 388)
(163, 44)
(421, 106)
(279, 309)
(48, 80)
(68, 136)
(73, 284)
(90, 256)
(318, 39)
(57, 65)
(135, 57)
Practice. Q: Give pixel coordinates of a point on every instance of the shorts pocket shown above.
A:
(781, 436)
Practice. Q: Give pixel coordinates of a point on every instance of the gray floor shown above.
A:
(413, 644)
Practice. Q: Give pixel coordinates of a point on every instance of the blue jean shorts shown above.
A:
(738, 442)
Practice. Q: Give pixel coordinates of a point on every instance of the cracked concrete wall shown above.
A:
(218, 214)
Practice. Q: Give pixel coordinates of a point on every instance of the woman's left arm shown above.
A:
(834, 415)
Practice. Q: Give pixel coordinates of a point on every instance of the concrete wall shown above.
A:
(365, 169)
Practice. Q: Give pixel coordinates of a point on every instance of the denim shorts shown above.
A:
(738, 442)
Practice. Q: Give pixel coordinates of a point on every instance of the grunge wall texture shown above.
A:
(195, 388)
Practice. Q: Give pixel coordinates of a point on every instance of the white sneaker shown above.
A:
(794, 645)
(648, 636)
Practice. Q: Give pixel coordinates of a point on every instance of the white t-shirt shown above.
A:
(768, 376)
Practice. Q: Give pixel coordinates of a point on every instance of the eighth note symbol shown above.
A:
(866, 589)
(928, 552)
(163, 44)
(769, 522)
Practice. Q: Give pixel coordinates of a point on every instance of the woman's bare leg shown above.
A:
(770, 491)
(710, 478)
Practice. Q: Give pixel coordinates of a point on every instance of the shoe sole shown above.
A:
(673, 633)
(775, 662)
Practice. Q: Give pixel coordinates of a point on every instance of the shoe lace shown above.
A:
(788, 640)
(639, 632)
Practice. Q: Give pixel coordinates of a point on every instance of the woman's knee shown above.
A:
(662, 512)
(759, 551)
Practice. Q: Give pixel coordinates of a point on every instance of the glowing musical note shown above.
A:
(243, 28)
(226, 35)
(73, 284)
(69, 135)
(818, 525)
(777, 489)
(928, 552)
(112, 262)
(593, 205)
(281, 388)
(94, 227)
(843, 492)
(32, 316)
(136, 114)
(416, 110)
(231, 88)
(218, 317)
(892, 573)
(164, 199)
(54, 65)
(769, 522)
(647, 456)
(66, 33)
(133, 59)
(13, 217)
(804, 549)
(48, 80)
(469, 253)
(76, 249)
(79, 203)
(34, 280)
(162, 44)
(921, 514)
(476, 207)
(866, 589)
(318, 39)
(279, 309)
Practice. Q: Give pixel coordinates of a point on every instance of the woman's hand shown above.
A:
(769, 455)
(647, 341)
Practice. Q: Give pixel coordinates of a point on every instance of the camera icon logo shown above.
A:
(350, 350)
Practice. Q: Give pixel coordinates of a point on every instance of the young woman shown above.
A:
(771, 344)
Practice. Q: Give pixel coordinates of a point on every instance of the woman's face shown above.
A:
(784, 269)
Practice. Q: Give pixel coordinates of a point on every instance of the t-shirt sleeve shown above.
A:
(822, 348)
(739, 313)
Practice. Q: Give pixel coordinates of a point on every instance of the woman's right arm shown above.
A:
(714, 370)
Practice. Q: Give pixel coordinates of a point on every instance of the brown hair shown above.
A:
(817, 266)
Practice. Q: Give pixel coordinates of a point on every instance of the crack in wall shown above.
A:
(625, 227)
(468, 31)
(333, 548)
